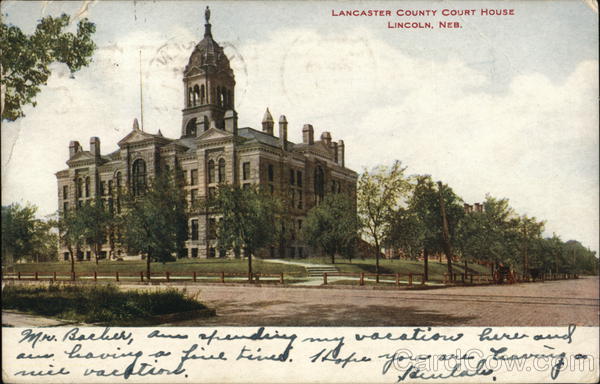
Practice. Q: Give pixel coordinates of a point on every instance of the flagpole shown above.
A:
(141, 94)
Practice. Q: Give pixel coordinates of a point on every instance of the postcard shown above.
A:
(300, 192)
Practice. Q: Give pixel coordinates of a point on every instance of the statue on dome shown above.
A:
(207, 14)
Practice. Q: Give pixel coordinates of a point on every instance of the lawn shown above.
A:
(180, 266)
(105, 304)
(436, 269)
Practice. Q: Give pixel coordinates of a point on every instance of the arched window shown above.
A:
(219, 96)
(139, 177)
(211, 171)
(229, 99)
(189, 97)
(196, 94)
(202, 94)
(87, 187)
(221, 170)
(190, 128)
(79, 188)
(319, 184)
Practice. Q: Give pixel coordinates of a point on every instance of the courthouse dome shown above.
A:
(208, 55)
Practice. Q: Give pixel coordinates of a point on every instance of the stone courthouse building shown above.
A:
(211, 150)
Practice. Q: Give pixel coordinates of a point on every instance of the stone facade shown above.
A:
(212, 149)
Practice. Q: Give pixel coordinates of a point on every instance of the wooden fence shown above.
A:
(141, 276)
(395, 278)
(474, 278)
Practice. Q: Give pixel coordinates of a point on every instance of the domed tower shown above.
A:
(209, 84)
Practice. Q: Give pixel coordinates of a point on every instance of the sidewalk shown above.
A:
(18, 319)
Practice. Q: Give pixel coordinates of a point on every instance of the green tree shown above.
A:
(332, 226)
(25, 60)
(529, 232)
(425, 203)
(18, 229)
(71, 230)
(379, 192)
(153, 223)
(45, 241)
(407, 232)
(97, 220)
(248, 220)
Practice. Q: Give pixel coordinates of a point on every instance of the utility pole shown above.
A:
(445, 232)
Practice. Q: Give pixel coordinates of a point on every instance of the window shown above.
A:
(87, 187)
(190, 128)
(211, 252)
(79, 188)
(292, 179)
(300, 200)
(221, 170)
(65, 206)
(211, 171)
(222, 253)
(194, 177)
(319, 184)
(194, 196)
(245, 171)
(110, 187)
(119, 184)
(194, 252)
(194, 229)
(270, 172)
(202, 94)
(299, 178)
(139, 177)
(65, 192)
(102, 188)
(212, 229)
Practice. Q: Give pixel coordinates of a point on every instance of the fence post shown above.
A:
(410, 279)
(95, 276)
(54, 276)
(36, 275)
(362, 278)
(141, 276)
(194, 276)
(73, 277)
(397, 279)
(168, 276)
(257, 277)
(377, 278)
(117, 276)
(324, 278)
(222, 277)
(19, 275)
(281, 278)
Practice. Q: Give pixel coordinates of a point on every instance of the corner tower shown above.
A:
(208, 85)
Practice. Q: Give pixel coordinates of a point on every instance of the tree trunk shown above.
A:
(445, 232)
(333, 258)
(72, 263)
(466, 266)
(249, 266)
(425, 264)
(376, 256)
(96, 253)
(148, 266)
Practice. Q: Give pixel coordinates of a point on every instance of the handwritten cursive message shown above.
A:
(286, 354)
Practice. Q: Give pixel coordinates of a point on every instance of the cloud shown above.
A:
(536, 142)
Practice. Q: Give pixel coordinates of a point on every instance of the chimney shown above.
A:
(231, 122)
(283, 132)
(74, 147)
(308, 134)
(95, 147)
(326, 138)
(267, 123)
(340, 153)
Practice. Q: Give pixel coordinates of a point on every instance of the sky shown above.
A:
(504, 105)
